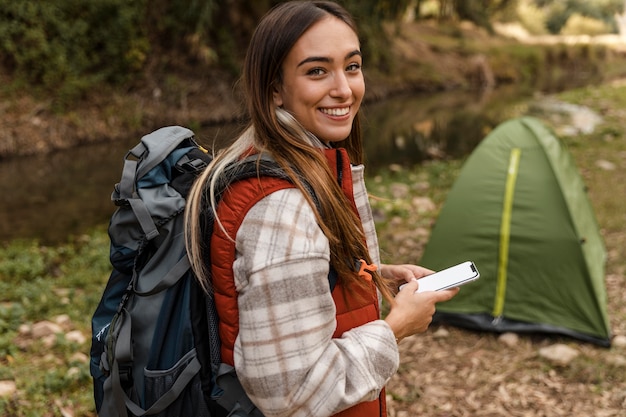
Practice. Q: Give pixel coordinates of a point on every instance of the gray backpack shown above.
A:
(155, 347)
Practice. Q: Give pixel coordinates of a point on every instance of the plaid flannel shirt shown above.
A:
(285, 355)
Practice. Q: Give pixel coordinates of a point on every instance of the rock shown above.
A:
(64, 410)
(559, 354)
(63, 320)
(49, 340)
(605, 165)
(76, 336)
(7, 388)
(423, 204)
(441, 333)
(509, 339)
(399, 190)
(79, 357)
(616, 360)
(45, 328)
(73, 372)
(619, 341)
(24, 330)
(421, 186)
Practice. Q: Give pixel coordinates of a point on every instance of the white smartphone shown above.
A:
(451, 277)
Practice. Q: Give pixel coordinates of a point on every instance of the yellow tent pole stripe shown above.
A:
(505, 231)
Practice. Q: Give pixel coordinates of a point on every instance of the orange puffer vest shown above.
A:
(354, 307)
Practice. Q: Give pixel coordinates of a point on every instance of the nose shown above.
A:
(341, 86)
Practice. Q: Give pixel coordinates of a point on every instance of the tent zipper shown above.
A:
(505, 232)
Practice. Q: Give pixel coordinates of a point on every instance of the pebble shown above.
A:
(45, 328)
(73, 372)
(559, 354)
(63, 320)
(423, 204)
(7, 388)
(79, 357)
(605, 165)
(619, 341)
(76, 336)
(441, 333)
(509, 339)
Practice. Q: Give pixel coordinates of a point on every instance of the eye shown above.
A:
(353, 67)
(316, 72)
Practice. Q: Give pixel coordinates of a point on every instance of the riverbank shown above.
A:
(425, 57)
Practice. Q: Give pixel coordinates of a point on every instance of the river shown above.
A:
(52, 197)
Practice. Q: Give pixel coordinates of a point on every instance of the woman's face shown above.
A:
(322, 82)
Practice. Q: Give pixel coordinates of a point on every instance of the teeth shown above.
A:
(336, 112)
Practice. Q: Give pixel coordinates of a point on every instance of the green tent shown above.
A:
(520, 211)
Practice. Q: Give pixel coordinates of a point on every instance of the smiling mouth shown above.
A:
(336, 112)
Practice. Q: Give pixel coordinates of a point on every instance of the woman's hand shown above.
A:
(403, 273)
(412, 312)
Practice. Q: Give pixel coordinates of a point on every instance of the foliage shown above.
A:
(481, 12)
(578, 24)
(551, 15)
(532, 18)
(370, 15)
(69, 45)
(43, 283)
(558, 12)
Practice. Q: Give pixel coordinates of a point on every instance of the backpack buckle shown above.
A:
(104, 363)
(121, 202)
(116, 199)
(193, 165)
(126, 375)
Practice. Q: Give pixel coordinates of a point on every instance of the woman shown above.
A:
(300, 346)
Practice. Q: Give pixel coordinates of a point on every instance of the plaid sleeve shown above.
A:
(365, 212)
(285, 355)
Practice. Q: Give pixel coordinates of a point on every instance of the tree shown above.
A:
(559, 11)
(481, 12)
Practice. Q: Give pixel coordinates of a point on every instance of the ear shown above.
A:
(277, 96)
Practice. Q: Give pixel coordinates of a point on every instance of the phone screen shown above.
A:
(451, 277)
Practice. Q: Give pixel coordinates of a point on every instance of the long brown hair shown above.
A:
(274, 131)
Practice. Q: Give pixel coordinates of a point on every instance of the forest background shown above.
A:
(74, 72)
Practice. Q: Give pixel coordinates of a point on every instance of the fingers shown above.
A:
(420, 271)
(410, 287)
(446, 295)
(416, 271)
(404, 272)
(411, 312)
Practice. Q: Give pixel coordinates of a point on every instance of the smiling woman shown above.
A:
(323, 87)
(300, 346)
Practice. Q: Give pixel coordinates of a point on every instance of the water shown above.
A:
(54, 196)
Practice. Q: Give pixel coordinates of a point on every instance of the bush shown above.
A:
(582, 25)
(70, 45)
(532, 18)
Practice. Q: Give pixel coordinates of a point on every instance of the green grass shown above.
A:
(49, 283)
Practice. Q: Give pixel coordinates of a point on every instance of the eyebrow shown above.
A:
(349, 55)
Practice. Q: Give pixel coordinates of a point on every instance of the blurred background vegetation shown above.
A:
(68, 47)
